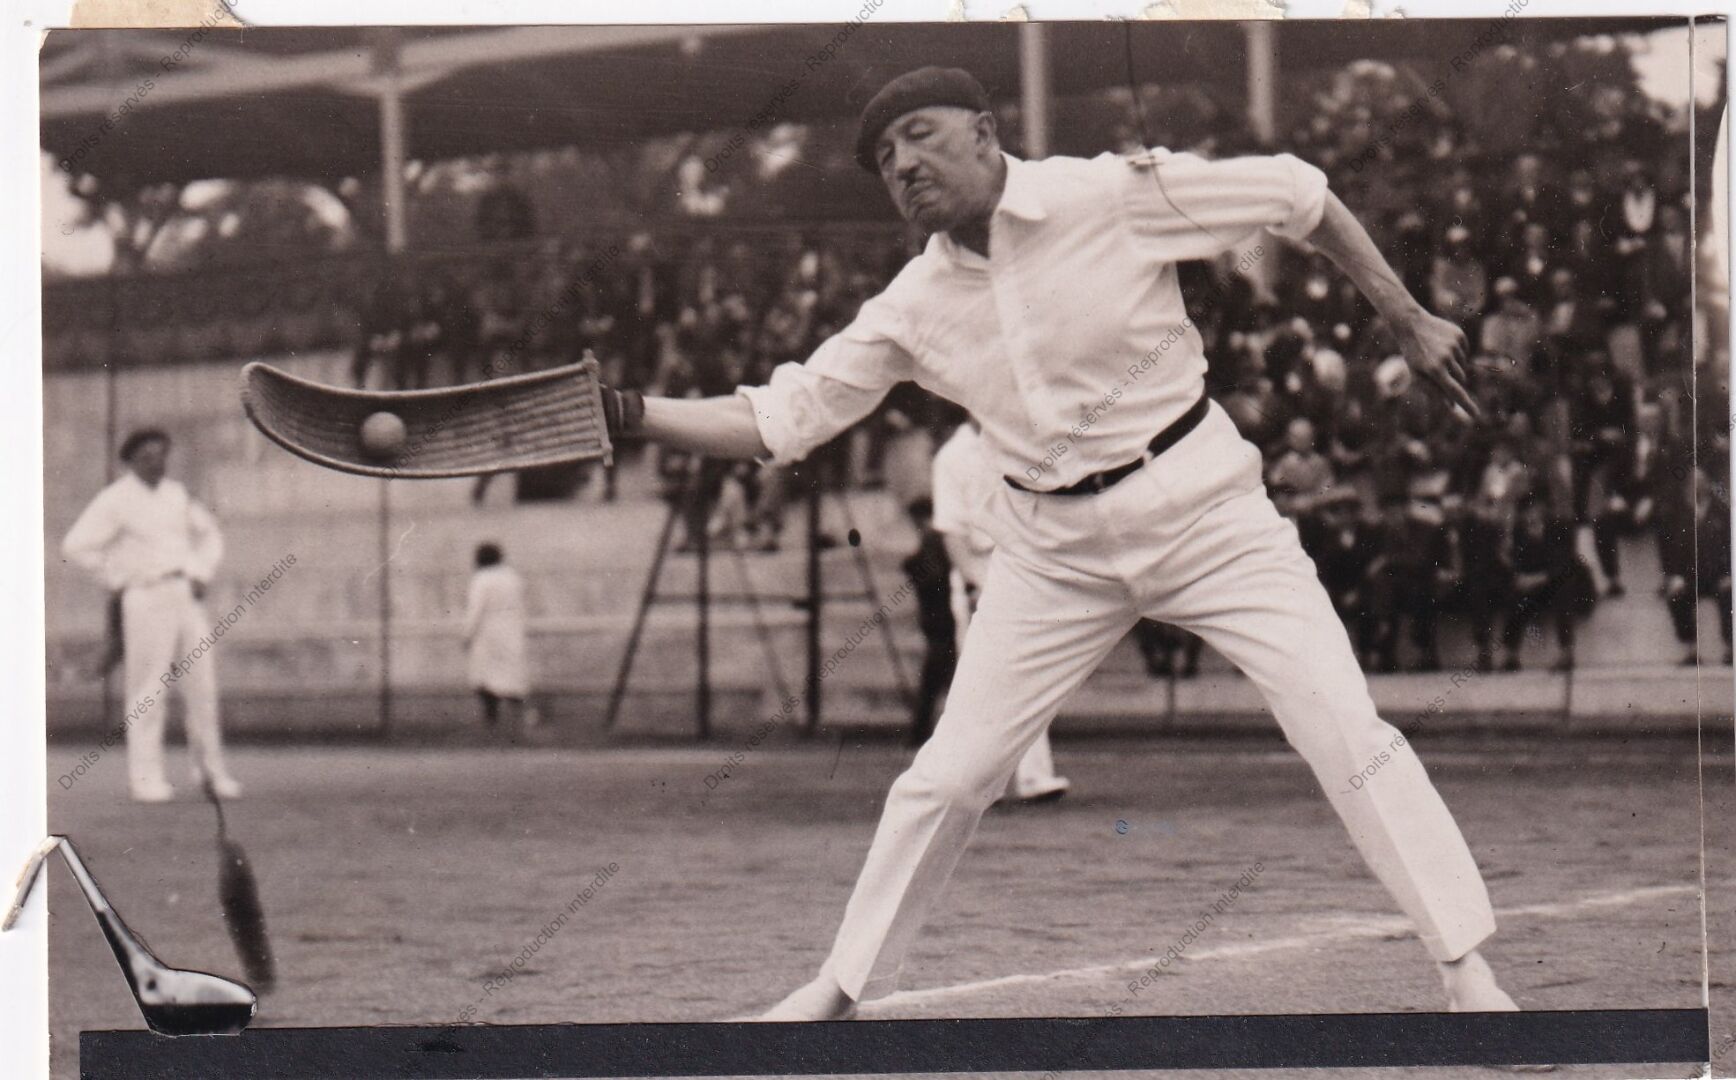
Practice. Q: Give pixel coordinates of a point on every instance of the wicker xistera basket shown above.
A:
(544, 418)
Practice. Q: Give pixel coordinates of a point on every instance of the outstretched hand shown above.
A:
(1437, 350)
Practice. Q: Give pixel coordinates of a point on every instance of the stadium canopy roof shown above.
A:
(243, 103)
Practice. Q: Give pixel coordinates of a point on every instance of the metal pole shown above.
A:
(384, 551)
(391, 138)
(1262, 79)
(392, 200)
(702, 518)
(646, 598)
(111, 418)
(1262, 69)
(814, 598)
(1034, 95)
(760, 627)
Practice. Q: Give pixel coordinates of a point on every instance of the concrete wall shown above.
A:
(306, 655)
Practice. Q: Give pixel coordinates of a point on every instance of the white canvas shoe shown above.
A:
(224, 785)
(159, 792)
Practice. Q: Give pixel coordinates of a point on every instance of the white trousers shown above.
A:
(1036, 771)
(1190, 540)
(162, 624)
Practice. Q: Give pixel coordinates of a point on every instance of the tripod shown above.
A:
(690, 500)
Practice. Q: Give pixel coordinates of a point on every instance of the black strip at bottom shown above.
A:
(495, 1052)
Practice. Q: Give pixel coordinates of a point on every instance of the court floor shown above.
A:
(401, 884)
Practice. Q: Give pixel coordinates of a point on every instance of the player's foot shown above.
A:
(1471, 986)
(159, 792)
(821, 999)
(1616, 591)
(1046, 791)
(224, 785)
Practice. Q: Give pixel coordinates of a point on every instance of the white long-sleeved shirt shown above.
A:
(1069, 343)
(132, 534)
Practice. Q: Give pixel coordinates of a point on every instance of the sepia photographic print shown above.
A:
(1022, 548)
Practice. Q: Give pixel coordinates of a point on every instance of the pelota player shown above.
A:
(1046, 304)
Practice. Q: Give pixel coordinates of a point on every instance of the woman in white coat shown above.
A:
(494, 637)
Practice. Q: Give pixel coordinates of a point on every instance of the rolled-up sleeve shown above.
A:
(804, 405)
(1191, 208)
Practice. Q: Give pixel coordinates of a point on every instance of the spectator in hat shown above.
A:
(1405, 580)
(1344, 547)
(1541, 564)
(1485, 539)
(1602, 429)
(1666, 284)
(1459, 283)
(1572, 327)
(1531, 265)
(1301, 476)
(1628, 506)
(1694, 550)
(1511, 332)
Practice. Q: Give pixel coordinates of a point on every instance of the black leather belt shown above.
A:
(1108, 478)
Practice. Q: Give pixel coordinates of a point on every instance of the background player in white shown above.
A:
(963, 485)
(145, 537)
(496, 654)
(1046, 305)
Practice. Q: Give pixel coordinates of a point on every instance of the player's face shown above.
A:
(150, 461)
(938, 165)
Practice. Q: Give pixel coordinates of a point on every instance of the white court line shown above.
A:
(1353, 929)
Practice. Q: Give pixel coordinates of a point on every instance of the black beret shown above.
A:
(914, 90)
(140, 438)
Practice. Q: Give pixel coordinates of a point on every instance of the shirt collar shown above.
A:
(1022, 197)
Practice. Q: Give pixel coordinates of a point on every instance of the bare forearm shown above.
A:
(1434, 348)
(1341, 238)
(717, 427)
